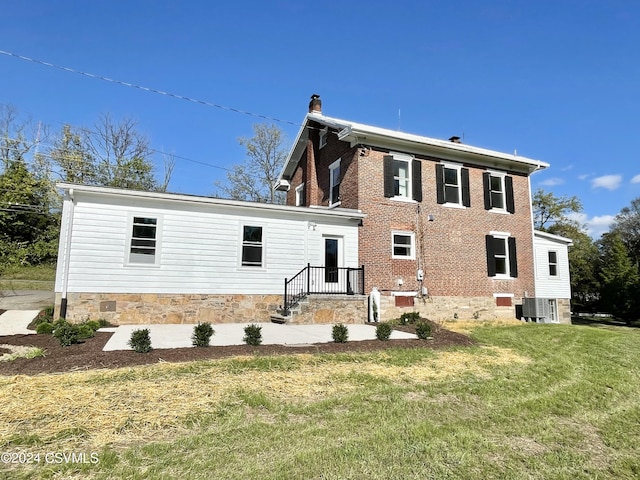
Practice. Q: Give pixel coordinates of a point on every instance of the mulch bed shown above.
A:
(89, 355)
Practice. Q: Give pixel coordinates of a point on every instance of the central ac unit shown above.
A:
(535, 307)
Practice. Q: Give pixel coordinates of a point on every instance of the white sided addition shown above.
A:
(130, 256)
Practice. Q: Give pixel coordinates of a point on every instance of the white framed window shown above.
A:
(498, 192)
(402, 177)
(501, 255)
(300, 195)
(403, 245)
(553, 263)
(334, 183)
(452, 185)
(324, 133)
(252, 246)
(144, 240)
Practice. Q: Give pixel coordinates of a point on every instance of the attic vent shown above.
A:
(455, 140)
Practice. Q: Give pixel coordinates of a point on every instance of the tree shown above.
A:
(551, 214)
(254, 180)
(549, 209)
(113, 154)
(627, 225)
(620, 292)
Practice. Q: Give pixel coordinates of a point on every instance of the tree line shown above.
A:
(605, 273)
(111, 153)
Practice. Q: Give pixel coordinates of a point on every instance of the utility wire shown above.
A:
(146, 89)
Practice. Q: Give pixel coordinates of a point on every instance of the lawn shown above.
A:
(38, 277)
(533, 401)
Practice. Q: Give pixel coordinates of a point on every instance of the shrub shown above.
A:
(66, 333)
(340, 333)
(409, 318)
(103, 323)
(93, 325)
(140, 341)
(202, 335)
(85, 331)
(423, 330)
(253, 334)
(45, 328)
(383, 331)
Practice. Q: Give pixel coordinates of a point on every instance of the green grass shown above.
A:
(38, 277)
(571, 411)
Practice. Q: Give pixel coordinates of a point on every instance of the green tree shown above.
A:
(627, 225)
(254, 180)
(620, 278)
(549, 209)
(112, 154)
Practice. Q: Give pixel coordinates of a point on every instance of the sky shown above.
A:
(556, 81)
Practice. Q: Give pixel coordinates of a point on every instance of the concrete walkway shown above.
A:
(177, 336)
(14, 322)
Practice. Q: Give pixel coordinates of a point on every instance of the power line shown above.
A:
(146, 89)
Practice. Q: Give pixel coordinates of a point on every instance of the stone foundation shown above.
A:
(447, 308)
(152, 308)
(331, 309)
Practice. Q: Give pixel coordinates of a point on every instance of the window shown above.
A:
(402, 177)
(334, 182)
(452, 185)
(300, 195)
(323, 137)
(553, 263)
(403, 245)
(143, 240)
(498, 192)
(252, 246)
(501, 255)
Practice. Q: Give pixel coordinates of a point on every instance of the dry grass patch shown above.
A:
(98, 408)
(467, 326)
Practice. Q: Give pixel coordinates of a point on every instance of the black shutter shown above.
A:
(440, 183)
(486, 180)
(513, 259)
(508, 186)
(416, 187)
(466, 196)
(389, 183)
(491, 261)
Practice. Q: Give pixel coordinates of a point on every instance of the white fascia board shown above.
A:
(553, 238)
(197, 199)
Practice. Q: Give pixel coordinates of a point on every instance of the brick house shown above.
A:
(448, 228)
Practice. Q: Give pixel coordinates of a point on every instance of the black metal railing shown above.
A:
(322, 281)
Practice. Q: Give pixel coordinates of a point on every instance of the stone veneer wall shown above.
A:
(564, 310)
(331, 309)
(445, 308)
(152, 308)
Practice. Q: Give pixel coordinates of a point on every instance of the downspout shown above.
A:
(533, 235)
(66, 255)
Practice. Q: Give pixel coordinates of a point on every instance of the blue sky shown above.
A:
(556, 81)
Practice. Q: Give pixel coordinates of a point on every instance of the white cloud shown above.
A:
(552, 182)
(610, 182)
(595, 226)
(584, 176)
(636, 179)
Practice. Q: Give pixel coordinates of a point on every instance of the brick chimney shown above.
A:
(315, 105)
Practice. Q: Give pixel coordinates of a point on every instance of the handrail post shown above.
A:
(362, 281)
(286, 301)
(308, 278)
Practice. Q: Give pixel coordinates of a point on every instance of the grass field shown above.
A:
(533, 401)
(39, 277)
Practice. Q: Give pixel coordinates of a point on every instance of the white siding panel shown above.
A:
(548, 286)
(199, 249)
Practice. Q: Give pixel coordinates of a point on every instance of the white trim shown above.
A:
(458, 167)
(404, 294)
(502, 176)
(299, 198)
(263, 245)
(158, 239)
(412, 245)
(493, 233)
(332, 168)
(502, 295)
(322, 140)
(408, 159)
